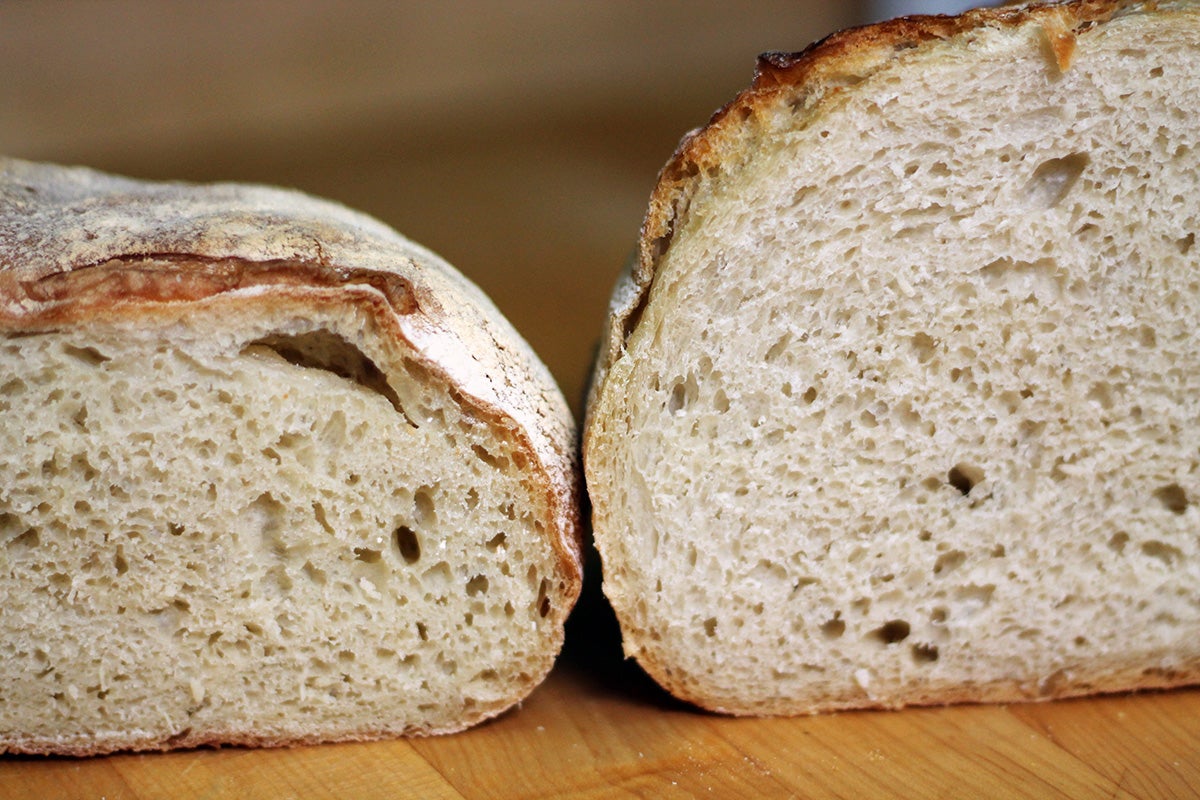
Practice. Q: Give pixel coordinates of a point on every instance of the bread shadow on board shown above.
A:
(592, 650)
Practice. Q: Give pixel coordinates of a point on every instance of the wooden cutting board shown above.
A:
(599, 728)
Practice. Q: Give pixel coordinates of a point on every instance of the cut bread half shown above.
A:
(899, 402)
(269, 474)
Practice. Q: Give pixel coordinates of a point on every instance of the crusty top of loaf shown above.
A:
(803, 84)
(72, 239)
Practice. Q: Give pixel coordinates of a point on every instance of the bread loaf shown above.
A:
(899, 402)
(269, 474)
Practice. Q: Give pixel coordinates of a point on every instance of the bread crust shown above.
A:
(76, 244)
(807, 83)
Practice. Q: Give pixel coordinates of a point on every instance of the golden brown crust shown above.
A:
(76, 244)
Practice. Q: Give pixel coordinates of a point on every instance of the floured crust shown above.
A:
(73, 239)
(77, 244)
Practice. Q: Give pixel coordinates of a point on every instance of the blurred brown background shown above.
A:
(519, 140)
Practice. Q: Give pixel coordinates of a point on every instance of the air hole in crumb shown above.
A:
(11, 387)
(1101, 393)
(1057, 473)
(322, 519)
(810, 395)
(177, 738)
(1053, 683)
(1172, 497)
(494, 461)
(30, 539)
(710, 627)
(326, 350)
(422, 632)
(834, 628)
(802, 583)
(314, 575)
(496, 542)
(543, 601)
(1185, 244)
(677, 399)
(119, 562)
(367, 555)
(778, 349)
(964, 477)
(1162, 551)
(1053, 180)
(88, 355)
(974, 595)
(891, 632)
(924, 653)
(925, 346)
(408, 544)
(1156, 72)
(948, 562)
(423, 501)
(477, 585)
(1117, 541)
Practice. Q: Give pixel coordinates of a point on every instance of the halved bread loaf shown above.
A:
(900, 401)
(269, 474)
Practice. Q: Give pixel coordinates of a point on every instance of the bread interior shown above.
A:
(219, 526)
(912, 412)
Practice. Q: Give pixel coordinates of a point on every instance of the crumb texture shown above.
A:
(912, 414)
(223, 527)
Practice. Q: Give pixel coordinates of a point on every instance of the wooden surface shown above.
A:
(520, 140)
(598, 728)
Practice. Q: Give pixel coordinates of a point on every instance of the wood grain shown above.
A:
(576, 739)
(600, 728)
